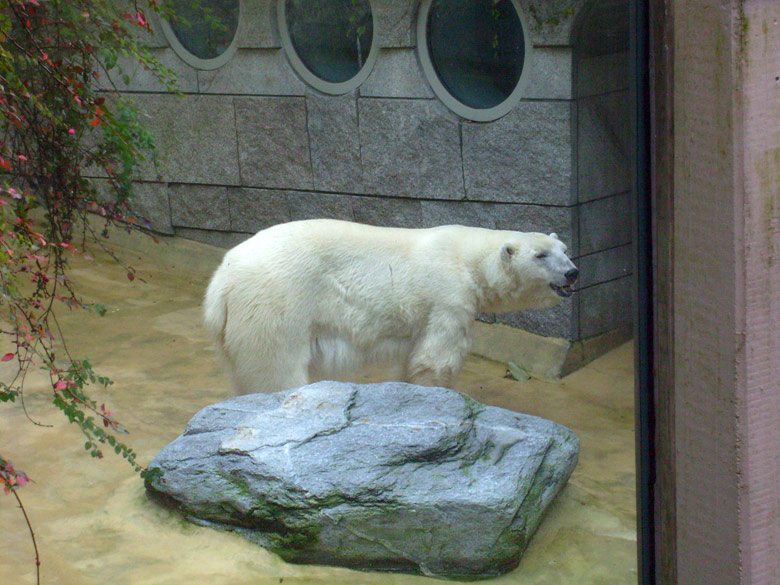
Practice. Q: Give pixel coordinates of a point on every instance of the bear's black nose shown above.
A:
(572, 275)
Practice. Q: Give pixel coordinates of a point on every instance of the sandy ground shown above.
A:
(95, 525)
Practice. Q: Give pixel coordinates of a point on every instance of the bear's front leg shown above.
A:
(438, 355)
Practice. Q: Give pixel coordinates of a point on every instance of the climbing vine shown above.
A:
(62, 120)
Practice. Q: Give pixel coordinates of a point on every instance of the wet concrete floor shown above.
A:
(95, 525)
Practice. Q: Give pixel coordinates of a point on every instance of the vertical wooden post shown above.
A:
(717, 212)
(661, 43)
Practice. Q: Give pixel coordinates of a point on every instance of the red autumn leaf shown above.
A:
(6, 164)
(8, 357)
(95, 121)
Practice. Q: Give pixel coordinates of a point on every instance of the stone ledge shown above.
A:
(170, 251)
(540, 356)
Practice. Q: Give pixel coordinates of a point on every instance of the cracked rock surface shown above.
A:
(388, 476)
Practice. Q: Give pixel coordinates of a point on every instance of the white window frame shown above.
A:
(461, 109)
(193, 60)
(307, 75)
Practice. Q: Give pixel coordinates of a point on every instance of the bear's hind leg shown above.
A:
(254, 371)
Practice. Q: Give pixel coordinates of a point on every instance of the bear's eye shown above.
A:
(541, 255)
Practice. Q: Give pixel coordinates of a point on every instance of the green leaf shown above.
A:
(5, 24)
(110, 57)
(517, 371)
(152, 474)
(8, 396)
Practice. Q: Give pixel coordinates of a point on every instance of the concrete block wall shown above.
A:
(249, 145)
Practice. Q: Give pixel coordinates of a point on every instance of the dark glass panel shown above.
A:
(477, 48)
(332, 38)
(204, 27)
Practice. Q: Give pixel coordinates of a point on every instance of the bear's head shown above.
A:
(534, 271)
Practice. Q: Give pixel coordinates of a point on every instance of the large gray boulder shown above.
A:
(390, 477)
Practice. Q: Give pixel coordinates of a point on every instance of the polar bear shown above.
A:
(315, 299)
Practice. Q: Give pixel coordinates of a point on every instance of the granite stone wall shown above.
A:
(604, 153)
(249, 145)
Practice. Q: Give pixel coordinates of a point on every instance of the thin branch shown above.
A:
(24, 404)
(100, 242)
(62, 336)
(32, 537)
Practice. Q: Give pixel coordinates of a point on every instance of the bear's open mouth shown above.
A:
(562, 291)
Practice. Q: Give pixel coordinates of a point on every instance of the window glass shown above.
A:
(332, 39)
(205, 28)
(477, 48)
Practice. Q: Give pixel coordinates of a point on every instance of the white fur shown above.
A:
(314, 299)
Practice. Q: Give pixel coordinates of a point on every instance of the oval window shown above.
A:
(203, 33)
(330, 44)
(474, 53)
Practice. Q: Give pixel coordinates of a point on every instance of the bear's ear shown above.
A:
(554, 235)
(507, 252)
